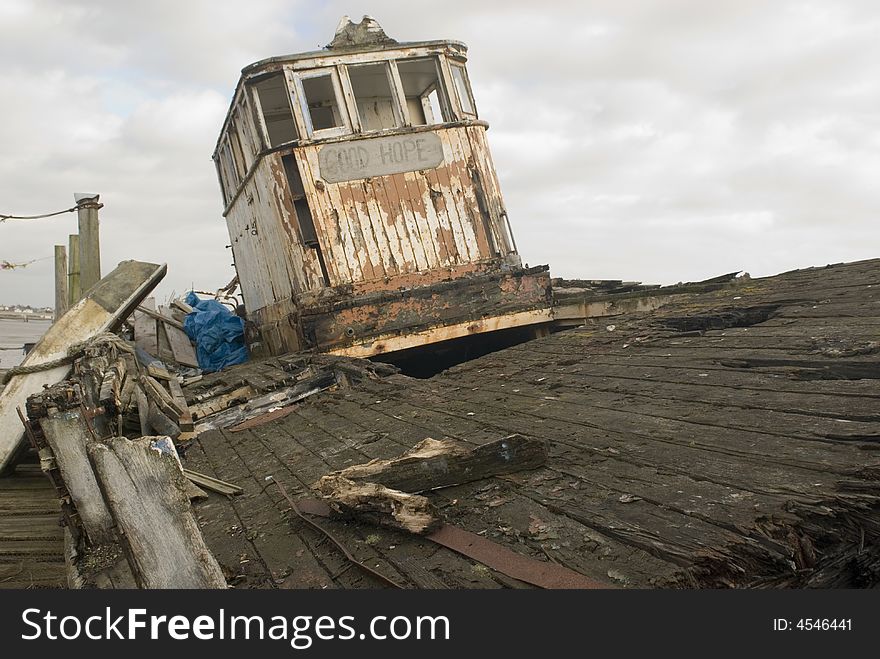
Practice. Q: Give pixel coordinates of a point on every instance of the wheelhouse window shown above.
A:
(319, 98)
(459, 79)
(273, 101)
(376, 105)
(423, 92)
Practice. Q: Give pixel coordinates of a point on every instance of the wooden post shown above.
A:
(89, 242)
(60, 281)
(74, 292)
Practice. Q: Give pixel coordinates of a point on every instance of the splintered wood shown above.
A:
(145, 489)
(161, 335)
(432, 464)
(380, 491)
(380, 505)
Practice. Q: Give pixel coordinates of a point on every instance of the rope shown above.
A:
(73, 353)
(9, 265)
(37, 368)
(4, 216)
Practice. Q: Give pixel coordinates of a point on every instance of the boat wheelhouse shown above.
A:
(363, 208)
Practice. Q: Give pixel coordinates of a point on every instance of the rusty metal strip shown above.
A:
(324, 512)
(518, 566)
(489, 553)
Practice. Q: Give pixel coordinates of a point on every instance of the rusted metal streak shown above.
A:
(491, 554)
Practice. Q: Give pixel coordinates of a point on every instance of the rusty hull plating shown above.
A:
(363, 208)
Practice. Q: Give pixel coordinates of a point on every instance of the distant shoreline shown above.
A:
(24, 317)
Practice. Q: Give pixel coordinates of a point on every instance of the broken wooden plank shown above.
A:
(268, 404)
(181, 347)
(432, 464)
(145, 489)
(185, 420)
(104, 308)
(164, 346)
(157, 393)
(161, 422)
(214, 484)
(183, 306)
(378, 504)
(69, 438)
(145, 332)
(149, 308)
(143, 405)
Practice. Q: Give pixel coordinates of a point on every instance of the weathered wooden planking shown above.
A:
(145, 490)
(381, 227)
(69, 438)
(145, 330)
(107, 304)
(164, 346)
(182, 348)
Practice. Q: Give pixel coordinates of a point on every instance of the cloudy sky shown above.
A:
(659, 140)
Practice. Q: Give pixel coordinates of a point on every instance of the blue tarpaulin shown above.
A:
(217, 333)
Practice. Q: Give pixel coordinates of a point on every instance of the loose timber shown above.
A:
(103, 308)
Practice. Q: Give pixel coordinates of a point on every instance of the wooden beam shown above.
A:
(61, 295)
(164, 352)
(145, 489)
(89, 240)
(150, 310)
(74, 290)
(210, 483)
(431, 464)
(181, 348)
(185, 419)
(145, 332)
(385, 344)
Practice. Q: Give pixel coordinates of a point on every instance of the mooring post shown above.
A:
(74, 293)
(89, 242)
(60, 281)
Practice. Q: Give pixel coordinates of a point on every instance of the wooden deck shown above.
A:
(727, 439)
(31, 538)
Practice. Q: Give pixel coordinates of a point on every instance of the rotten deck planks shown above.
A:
(683, 452)
(31, 537)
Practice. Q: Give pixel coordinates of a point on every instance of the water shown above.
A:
(14, 334)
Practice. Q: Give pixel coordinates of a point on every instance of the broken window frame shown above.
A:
(447, 111)
(259, 114)
(397, 106)
(468, 92)
(247, 137)
(304, 115)
(229, 180)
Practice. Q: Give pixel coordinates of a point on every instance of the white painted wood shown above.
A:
(379, 156)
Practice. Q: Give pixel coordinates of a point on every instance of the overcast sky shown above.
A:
(658, 140)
